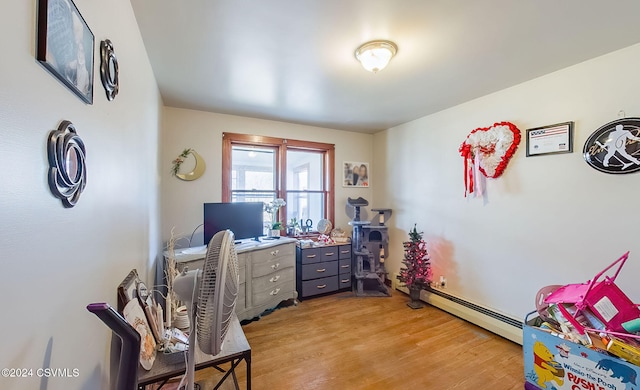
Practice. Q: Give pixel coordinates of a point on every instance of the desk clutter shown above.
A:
(583, 335)
(209, 295)
(146, 316)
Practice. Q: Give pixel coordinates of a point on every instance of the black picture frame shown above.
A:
(127, 290)
(552, 139)
(65, 46)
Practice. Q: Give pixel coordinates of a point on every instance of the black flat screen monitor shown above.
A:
(244, 219)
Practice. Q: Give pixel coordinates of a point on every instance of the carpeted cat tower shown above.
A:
(370, 245)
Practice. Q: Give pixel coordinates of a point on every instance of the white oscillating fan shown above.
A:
(210, 296)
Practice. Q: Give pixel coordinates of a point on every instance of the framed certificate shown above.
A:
(551, 139)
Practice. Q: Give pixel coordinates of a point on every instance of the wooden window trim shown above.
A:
(230, 139)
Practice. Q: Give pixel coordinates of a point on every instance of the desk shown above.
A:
(234, 349)
(267, 273)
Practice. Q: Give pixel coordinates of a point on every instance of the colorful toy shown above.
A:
(599, 301)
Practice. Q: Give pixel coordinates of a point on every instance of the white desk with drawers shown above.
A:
(267, 273)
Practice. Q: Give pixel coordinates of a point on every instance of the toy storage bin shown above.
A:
(551, 362)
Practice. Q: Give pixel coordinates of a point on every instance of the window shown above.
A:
(305, 185)
(253, 174)
(261, 169)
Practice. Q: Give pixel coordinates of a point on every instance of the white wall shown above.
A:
(182, 201)
(548, 219)
(57, 260)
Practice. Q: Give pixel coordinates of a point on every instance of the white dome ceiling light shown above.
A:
(375, 55)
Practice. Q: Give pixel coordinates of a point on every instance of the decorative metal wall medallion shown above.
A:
(67, 170)
(109, 69)
(615, 147)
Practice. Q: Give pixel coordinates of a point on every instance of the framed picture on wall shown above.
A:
(65, 46)
(550, 139)
(356, 174)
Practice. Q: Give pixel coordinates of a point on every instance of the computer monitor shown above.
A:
(244, 219)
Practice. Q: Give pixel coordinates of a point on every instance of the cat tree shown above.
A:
(370, 246)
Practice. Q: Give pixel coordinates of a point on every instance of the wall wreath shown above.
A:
(488, 150)
(198, 168)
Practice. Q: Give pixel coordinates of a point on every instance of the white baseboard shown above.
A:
(500, 324)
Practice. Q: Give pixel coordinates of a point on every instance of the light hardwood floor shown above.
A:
(345, 342)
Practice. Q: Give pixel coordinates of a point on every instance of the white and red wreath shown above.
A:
(488, 150)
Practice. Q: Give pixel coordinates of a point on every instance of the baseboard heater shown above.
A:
(498, 323)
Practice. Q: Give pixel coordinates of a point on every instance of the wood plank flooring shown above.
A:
(345, 342)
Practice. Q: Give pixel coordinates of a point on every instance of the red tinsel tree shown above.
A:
(417, 267)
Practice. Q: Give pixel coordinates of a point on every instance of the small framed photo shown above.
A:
(65, 46)
(551, 139)
(128, 289)
(356, 174)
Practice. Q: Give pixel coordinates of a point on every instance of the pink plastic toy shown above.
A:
(603, 298)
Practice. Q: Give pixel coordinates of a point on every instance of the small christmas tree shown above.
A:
(416, 273)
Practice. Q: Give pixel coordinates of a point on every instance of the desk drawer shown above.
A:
(319, 286)
(319, 270)
(262, 267)
(316, 255)
(279, 250)
(345, 266)
(344, 281)
(267, 283)
(330, 253)
(344, 252)
(311, 255)
(275, 292)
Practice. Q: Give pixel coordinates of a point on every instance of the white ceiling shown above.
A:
(293, 60)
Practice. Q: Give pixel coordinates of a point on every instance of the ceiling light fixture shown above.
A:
(375, 55)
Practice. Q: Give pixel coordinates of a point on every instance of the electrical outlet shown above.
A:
(443, 281)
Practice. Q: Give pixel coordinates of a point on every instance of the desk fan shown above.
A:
(210, 296)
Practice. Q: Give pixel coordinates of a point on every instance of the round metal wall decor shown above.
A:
(109, 69)
(67, 169)
(615, 147)
(198, 168)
